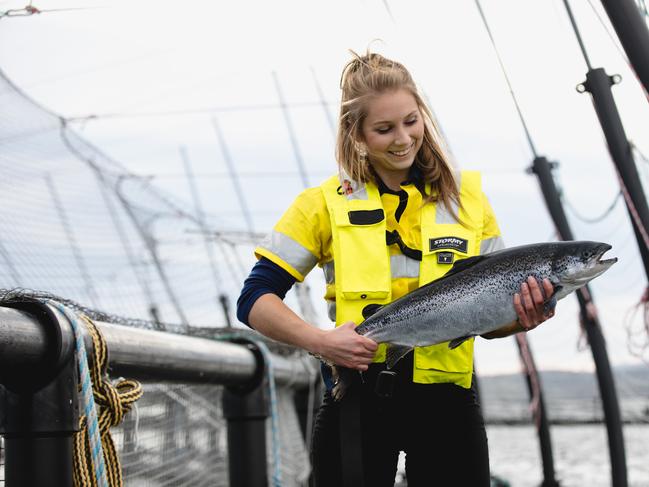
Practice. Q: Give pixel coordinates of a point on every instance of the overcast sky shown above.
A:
(154, 76)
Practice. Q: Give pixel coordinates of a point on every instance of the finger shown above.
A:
(548, 288)
(520, 311)
(535, 291)
(369, 345)
(526, 298)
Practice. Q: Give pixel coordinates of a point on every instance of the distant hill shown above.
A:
(567, 395)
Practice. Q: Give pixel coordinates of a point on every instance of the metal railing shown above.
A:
(38, 388)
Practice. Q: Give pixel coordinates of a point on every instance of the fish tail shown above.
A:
(344, 378)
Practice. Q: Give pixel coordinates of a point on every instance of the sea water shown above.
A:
(581, 455)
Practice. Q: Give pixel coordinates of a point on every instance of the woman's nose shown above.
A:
(401, 136)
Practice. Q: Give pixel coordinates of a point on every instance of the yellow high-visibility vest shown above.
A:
(362, 263)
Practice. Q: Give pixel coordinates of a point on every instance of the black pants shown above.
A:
(438, 426)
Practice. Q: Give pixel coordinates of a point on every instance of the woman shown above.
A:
(395, 217)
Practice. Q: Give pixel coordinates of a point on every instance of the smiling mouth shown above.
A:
(402, 152)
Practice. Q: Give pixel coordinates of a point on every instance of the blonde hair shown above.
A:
(372, 74)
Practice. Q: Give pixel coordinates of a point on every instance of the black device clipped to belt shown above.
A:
(385, 381)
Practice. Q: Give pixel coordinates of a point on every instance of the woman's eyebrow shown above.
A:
(378, 122)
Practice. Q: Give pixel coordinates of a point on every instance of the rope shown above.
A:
(638, 339)
(532, 374)
(274, 415)
(274, 412)
(94, 449)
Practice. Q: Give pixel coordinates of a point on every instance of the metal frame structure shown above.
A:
(38, 388)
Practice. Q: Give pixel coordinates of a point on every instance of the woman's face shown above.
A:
(393, 132)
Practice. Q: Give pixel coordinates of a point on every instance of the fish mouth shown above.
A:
(604, 263)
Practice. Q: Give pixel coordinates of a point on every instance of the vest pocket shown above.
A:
(440, 357)
(366, 262)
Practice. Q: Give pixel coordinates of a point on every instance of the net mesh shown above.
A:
(79, 227)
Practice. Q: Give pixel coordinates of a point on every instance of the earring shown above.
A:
(362, 153)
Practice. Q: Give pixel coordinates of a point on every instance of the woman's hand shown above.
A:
(530, 303)
(343, 346)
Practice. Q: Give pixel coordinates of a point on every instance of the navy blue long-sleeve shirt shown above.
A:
(265, 277)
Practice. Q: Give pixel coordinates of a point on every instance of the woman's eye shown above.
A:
(383, 130)
(411, 122)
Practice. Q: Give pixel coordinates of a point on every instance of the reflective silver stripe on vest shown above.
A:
(290, 252)
(403, 266)
(491, 245)
(400, 266)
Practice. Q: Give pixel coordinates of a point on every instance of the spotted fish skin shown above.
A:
(476, 296)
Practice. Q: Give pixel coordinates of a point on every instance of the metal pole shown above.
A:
(323, 102)
(124, 241)
(148, 354)
(538, 407)
(291, 132)
(588, 314)
(76, 251)
(200, 214)
(598, 84)
(39, 406)
(150, 244)
(633, 33)
(233, 176)
(12, 268)
(246, 410)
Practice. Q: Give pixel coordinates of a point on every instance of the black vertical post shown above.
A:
(533, 381)
(225, 306)
(38, 410)
(632, 31)
(246, 410)
(588, 315)
(598, 84)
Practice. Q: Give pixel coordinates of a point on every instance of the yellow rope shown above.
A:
(113, 402)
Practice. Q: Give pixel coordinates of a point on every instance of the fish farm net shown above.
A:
(77, 226)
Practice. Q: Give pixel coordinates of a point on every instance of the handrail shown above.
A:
(148, 354)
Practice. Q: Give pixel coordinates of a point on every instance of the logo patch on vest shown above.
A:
(454, 243)
(445, 257)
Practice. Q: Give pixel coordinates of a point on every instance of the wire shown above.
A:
(596, 219)
(504, 71)
(194, 111)
(577, 34)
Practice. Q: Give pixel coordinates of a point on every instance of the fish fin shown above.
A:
(458, 341)
(463, 264)
(394, 353)
(370, 309)
(551, 303)
(343, 379)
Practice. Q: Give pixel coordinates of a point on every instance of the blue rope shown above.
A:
(90, 411)
(274, 415)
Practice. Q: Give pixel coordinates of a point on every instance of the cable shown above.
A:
(196, 111)
(504, 71)
(577, 34)
(596, 219)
